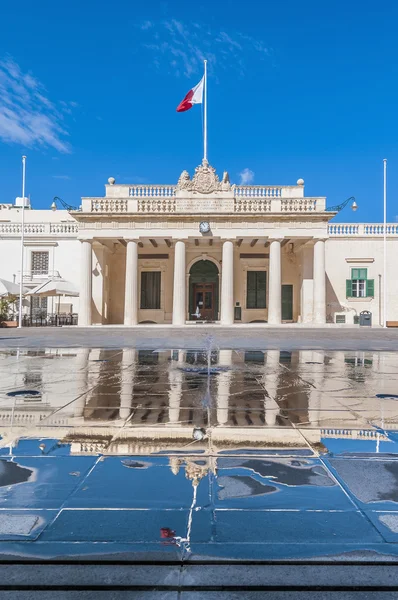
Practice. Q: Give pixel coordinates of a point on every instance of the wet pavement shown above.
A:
(202, 454)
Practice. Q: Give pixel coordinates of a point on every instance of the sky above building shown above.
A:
(306, 90)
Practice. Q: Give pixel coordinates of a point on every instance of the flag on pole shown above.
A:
(194, 96)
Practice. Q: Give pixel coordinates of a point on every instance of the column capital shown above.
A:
(321, 239)
(276, 239)
(131, 239)
(89, 240)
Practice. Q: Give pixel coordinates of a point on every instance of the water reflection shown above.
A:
(293, 445)
(184, 389)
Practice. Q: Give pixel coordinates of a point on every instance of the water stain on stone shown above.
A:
(296, 473)
(12, 473)
(242, 486)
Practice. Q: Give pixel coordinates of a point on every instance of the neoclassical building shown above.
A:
(203, 250)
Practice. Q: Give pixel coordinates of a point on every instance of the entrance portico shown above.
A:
(177, 254)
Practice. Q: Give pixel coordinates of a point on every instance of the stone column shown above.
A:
(227, 284)
(307, 285)
(85, 284)
(319, 282)
(179, 293)
(131, 284)
(275, 283)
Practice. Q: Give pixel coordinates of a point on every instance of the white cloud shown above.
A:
(27, 116)
(180, 48)
(61, 177)
(246, 177)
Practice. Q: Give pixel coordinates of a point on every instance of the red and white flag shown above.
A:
(194, 96)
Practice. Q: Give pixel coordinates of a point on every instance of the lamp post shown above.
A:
(22, 242)
(385, 246)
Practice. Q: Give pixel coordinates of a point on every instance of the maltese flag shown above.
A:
(194, 96)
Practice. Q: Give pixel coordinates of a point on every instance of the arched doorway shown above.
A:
(203, 291)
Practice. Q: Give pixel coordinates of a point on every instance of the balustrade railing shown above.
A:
(378, 229)
(362, 229)
(152, 191)
(258, 191)
(298, 205)
(63, 228)
(343, 229)
(109, 205)
(36, 228)
(156, 205)
(250, 205)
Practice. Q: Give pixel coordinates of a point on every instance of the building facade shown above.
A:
(202, 250)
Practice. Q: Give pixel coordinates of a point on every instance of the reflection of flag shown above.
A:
(194, 96)
(165, 532)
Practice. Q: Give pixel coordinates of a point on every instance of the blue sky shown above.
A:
(305, 89)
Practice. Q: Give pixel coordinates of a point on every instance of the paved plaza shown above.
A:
(260, 337)
(179, 448)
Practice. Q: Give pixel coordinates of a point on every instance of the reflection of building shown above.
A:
(129, 401)
(202, 249)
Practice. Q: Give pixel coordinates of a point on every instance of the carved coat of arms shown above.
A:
(205, 180)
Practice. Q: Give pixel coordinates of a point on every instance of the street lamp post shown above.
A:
(385, 247)
(22, 242)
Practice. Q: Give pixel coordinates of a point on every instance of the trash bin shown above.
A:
(237, 312)
(365, 318)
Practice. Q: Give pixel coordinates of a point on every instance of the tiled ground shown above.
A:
(189, 454)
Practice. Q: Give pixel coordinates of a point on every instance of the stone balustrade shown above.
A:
(362, 229)
(152, 191)
(252, 204)
(109, 205)
(257, 191)
(301, 205)
(11, 229)
(156, 205)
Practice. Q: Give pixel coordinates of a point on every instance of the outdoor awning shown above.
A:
(54, 288)
(8, 288)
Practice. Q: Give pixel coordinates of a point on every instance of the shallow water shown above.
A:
(296, 456)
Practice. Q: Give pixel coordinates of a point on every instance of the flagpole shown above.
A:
(385, 247)
(205, 115)
(22, 242)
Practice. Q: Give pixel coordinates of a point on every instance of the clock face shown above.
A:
(204, 227)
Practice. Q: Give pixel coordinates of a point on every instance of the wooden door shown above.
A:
(204, 301)
(287, 302)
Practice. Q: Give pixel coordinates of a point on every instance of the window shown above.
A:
(150, 289)
(39, 263)
(256, 289)
(359, 286)
(38, 306)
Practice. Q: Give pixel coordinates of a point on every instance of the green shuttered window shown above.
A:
(256, 289)
(359, 286)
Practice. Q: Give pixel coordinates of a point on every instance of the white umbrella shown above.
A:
(8, 288)
(54, 288)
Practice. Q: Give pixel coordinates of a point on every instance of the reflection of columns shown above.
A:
(85, 284)
(227, 284)
(275, 283)
(223, 386)
(131, 285)
(270, 380)
(319, 282)
(128, 367)
(80, 377)
(175, 389)
(307, 285)
(179, 292)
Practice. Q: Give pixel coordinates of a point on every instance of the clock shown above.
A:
(204, 227)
